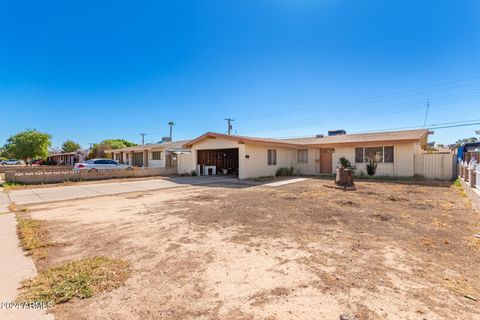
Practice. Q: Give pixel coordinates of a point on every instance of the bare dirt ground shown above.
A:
(300, 251)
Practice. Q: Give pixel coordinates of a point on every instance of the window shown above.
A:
(359, 155)
(111, 162)
(302, 155)
(377, 154)
(272, 157)
(157, 155)
(388, 154)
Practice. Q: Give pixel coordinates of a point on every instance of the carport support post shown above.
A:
(145, 158)
(132, 154)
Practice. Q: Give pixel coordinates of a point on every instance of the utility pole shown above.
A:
(426, 112)
(229, 125)
(171, 124)
(143, 137)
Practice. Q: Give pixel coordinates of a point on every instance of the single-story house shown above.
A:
(67, 158)
(165, 154)
(249, 157)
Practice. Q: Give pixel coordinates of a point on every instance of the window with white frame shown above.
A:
(272, 157)
(302, 156)
(377, 154)
(157, 155)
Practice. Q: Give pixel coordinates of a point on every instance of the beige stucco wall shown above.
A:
(403, 164)
(184, 163)
(256, 164)
(156, 163)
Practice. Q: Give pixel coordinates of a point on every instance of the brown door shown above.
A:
(326, 160)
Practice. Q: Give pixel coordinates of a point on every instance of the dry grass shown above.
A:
(33, 238)
(13, 207)
(78, 279)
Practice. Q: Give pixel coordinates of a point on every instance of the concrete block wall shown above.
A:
(473, 194)
(472, 177)
(40, 177)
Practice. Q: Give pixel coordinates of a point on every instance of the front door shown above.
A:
(326, 160)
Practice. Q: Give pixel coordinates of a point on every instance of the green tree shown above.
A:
(465, 140)
(29, 144)
(98, 149)
(70, 146)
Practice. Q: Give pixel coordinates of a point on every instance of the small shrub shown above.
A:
(282, 172)
(371, 167)
(345, 163)
(457, 183)
(292, 170)
(193, 173)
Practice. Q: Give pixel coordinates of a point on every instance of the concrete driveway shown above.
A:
(61, 193)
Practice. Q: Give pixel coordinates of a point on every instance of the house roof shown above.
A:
(386, 136)
(59, 153)
(360, 138)
(150, 146)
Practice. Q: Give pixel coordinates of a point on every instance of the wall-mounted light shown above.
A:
(247, 156)
(333, 150)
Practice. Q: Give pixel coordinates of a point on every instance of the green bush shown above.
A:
(292, 171)
(457, 183)
(345, 163)
(371, 167)
(193, 173)
(283, 172)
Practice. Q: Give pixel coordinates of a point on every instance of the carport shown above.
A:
(225, 161)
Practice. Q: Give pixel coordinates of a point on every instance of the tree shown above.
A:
(465, 140)
(98, 149)
(171, 124)
(70, 146)
(28, 145)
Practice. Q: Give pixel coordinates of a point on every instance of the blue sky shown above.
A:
(92, 70)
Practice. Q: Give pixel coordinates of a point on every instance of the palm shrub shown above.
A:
(371, 167)
(346, 164)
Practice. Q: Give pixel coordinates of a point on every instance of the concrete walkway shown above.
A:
(4, 201)
(15, 268)
(61, 193)
(284, 182)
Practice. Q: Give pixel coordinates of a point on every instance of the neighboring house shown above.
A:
(250, 157)
(166, 154)
(67, 158)
(467, 151)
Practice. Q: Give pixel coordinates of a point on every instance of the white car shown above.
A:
(97, 164)
(12, 162)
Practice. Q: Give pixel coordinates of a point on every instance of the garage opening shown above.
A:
(218, 161)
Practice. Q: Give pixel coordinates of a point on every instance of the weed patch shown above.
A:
(32, 237)
(77, 279)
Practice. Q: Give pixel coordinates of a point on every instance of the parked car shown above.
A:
(12, 162)
(96, 164)
(38, 162)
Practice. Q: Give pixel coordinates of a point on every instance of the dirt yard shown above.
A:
(299, 251)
